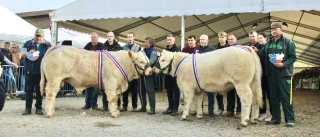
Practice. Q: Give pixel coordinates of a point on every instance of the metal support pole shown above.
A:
(54, 33)
(182, 32)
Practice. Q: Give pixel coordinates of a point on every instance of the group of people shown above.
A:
(10, 62)
(142, 86)
(276, 77)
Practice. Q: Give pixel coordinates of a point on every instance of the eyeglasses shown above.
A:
(14, 47)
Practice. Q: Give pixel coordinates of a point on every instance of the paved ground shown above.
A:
(73, 121)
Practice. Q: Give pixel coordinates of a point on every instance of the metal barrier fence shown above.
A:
(13, 79)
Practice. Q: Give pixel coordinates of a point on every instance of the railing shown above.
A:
(13, 79)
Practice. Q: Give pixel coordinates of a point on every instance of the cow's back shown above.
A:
(218, 70)
(69, 62)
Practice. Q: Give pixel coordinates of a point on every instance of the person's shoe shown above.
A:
(95, 108)
(27, 111)
(143, 109)
(194, 114)
(167, 112)
(262, 117)
(86, 107)
(272, 122)
(8, 97)
(219, 112)
(174, 113)
(289, 124)
(268, 118)
(238, 115)
(39, 112)
(228, 114)
(134, 109)
(123, 109)
(152, 111)
(211, 114)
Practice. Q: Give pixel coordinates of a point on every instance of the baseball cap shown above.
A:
(39, 32)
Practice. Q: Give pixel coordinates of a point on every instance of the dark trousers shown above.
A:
(210, 101)
(220, 101)
(147, 86)
(280, 92)
(91, 97)
(231, 98)
(172, 92)
(265, 96)
(133, 87)
(32, 83)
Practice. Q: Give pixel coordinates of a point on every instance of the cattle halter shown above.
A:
(145, 67)
(169, 66)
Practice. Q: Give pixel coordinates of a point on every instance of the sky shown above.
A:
(33, 5)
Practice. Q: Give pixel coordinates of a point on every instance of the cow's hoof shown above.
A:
(253, 121)
(247, 120)
(244, 124)
(49, 116)
(115, 114)
(183, 118)
(199, 116)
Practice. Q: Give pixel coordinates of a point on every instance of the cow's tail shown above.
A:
(43, 76)
(256, 82)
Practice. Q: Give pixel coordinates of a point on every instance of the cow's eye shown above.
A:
(163, 60)
(141, 62)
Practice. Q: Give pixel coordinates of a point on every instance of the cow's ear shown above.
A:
(130, 54)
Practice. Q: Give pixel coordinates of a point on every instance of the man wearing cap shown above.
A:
(279, 74)
(32, 71)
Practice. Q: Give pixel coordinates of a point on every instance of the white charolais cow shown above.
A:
(80, 68)
(217, 71)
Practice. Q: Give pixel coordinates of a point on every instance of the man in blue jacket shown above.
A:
(32, 71)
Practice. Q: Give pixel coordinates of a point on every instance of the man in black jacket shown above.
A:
(171, 82)
(223, 43)
(110, 45)
(232, 94)
(92, 92)
(203, 48)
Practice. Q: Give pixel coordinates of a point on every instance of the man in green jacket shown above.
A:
(279, 74)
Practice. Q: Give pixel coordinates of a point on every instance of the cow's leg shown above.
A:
(199, 99)
(51, 93)
(245, 95)
(256, 99)
(188, 96)
(112, 99)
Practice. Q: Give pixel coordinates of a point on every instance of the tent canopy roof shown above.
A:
(157, 19)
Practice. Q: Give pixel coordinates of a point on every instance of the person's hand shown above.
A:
(279, 65)
(16, 66)
(31, 50)
(24, 55)
(254, 48)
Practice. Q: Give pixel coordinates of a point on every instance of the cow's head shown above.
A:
(164, 63)
(141, 62)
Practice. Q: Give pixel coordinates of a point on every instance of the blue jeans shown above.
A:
(8, 77)
(23, 82)
(91, 97)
